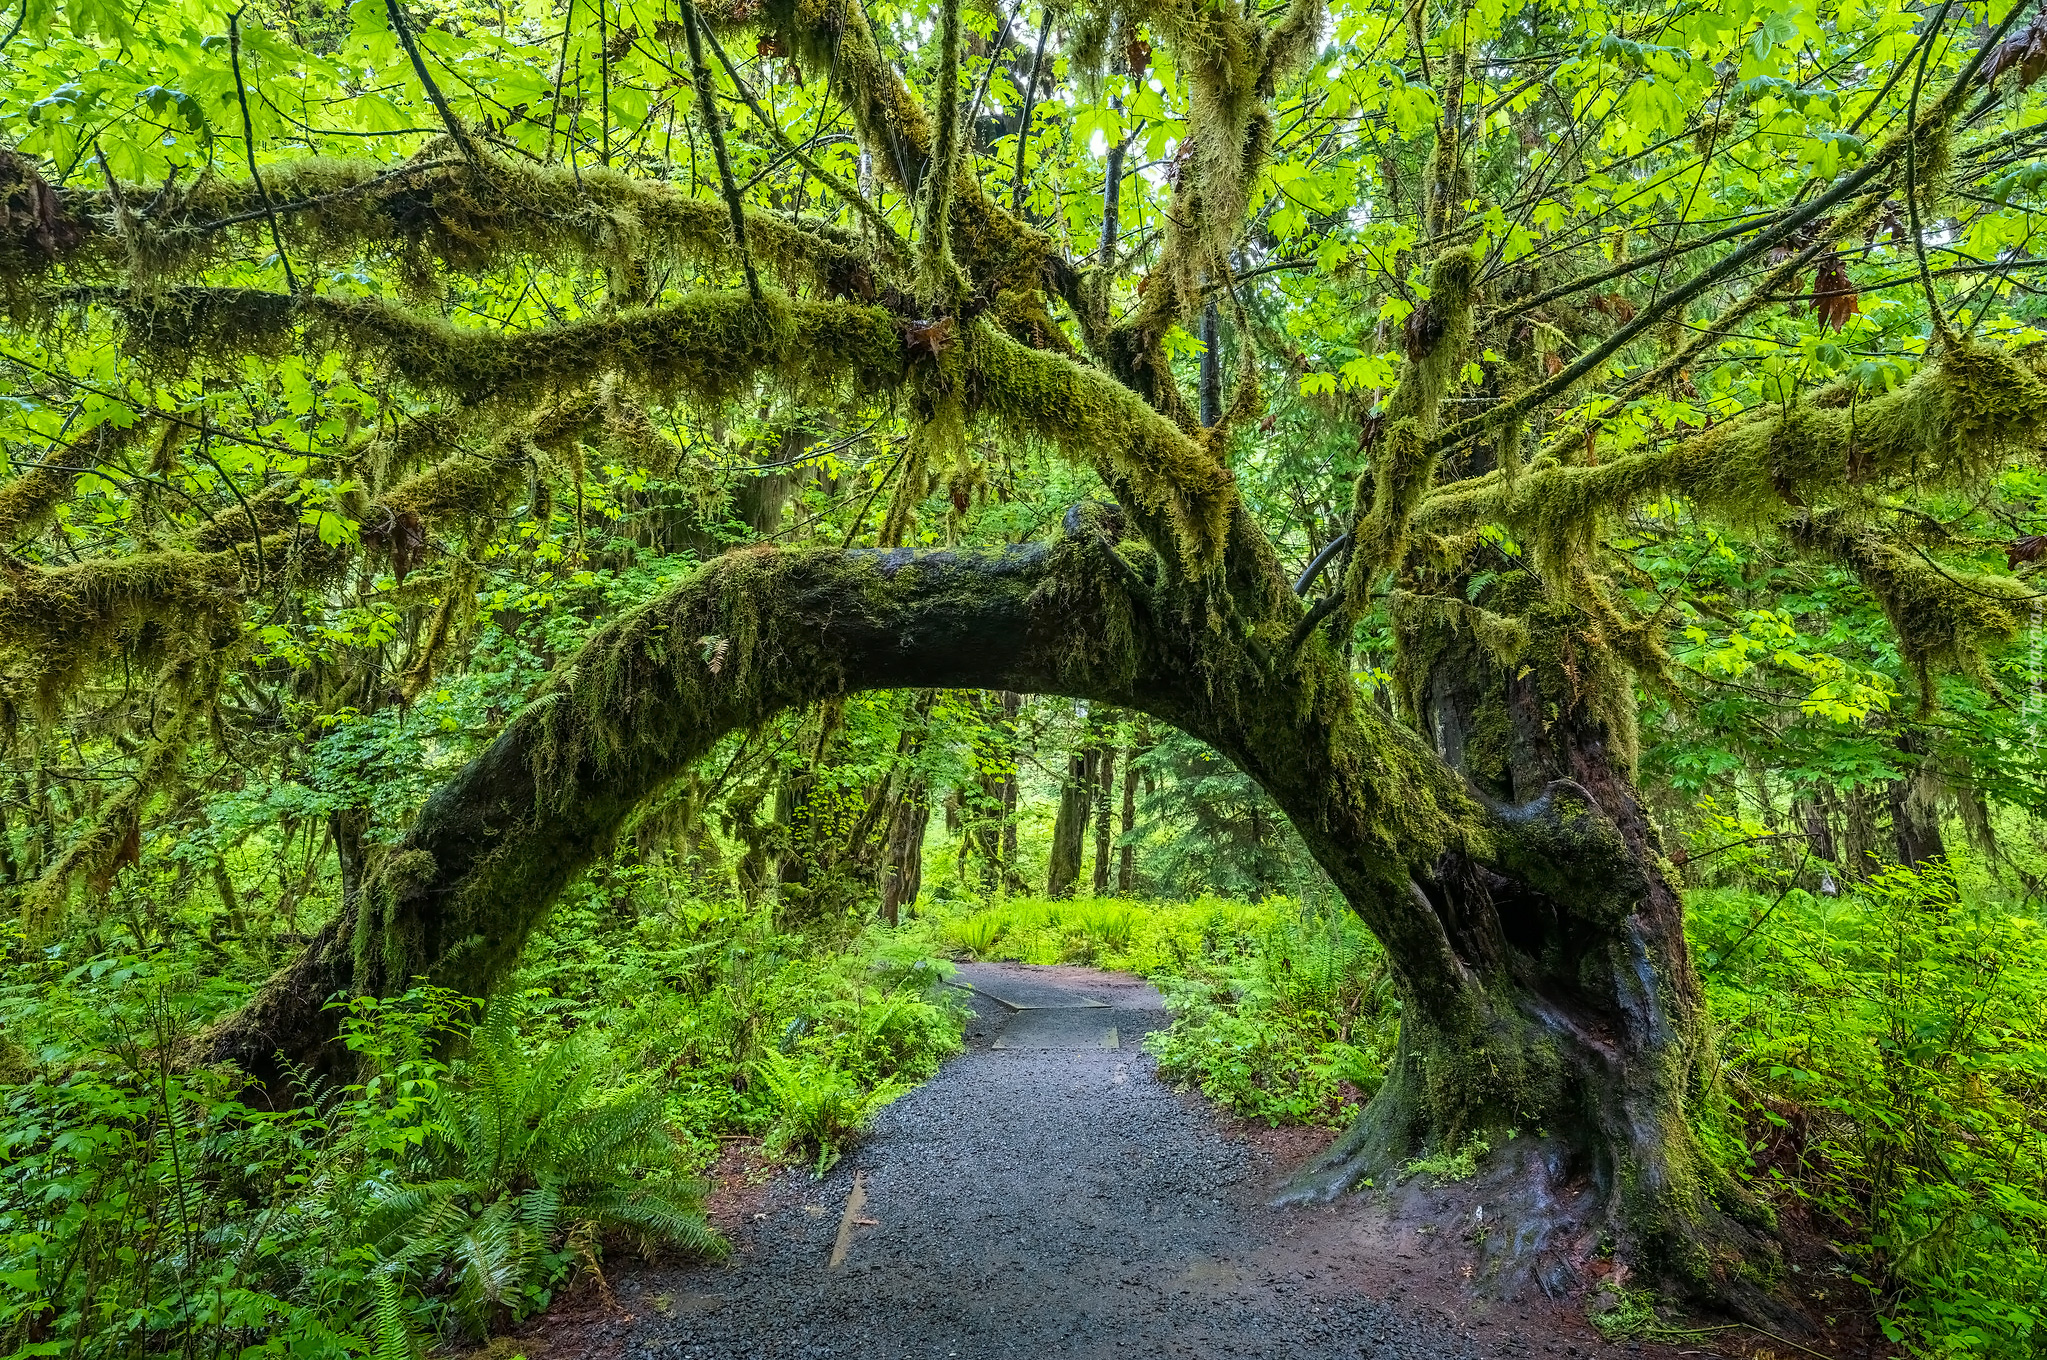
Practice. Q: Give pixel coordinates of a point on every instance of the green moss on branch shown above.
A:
(1952, 425)
(467, 218)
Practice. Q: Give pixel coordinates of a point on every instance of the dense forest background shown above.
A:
(263, 594)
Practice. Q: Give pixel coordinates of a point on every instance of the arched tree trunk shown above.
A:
(1537, 947)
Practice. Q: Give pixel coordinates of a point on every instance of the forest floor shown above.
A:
(1046, 1195)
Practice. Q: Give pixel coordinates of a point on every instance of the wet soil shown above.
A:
(1046, 1195)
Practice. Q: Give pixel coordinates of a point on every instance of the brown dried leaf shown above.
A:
(928, 338)
(29, 208)
(1834, 298)
(1615, 305)
(2026, 548)
(2024, 51)
(770, 45)
(127, 852)
(1421, 331)
(1137, 54)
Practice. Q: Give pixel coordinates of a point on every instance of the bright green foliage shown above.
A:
(329, 428)
(1884, 1063)
(524, 1163)
(145, 1211)
(1449, 1165)
(760, 1032)
(1279, 1013)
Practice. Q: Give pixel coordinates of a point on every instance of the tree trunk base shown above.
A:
(1533, 1214)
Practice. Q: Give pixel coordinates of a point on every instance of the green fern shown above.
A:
(393, 1328)
(524, 1155)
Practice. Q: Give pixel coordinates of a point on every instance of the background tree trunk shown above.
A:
(1126, 853)
(903, 870)
(1069, 824)
(1915, 804)
(1104, 787)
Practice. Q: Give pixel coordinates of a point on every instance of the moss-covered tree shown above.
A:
(515, 285)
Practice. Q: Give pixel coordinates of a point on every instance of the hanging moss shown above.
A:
(58, 623)
(1103, 424)
(1950, 426)
(112, 838)
(1419, 621)
(1404, 460)
(28, 501)
(833, 41)
(1944, 619)
(442, 211)
(705, 346)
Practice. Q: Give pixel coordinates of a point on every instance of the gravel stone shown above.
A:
(1030, 1203)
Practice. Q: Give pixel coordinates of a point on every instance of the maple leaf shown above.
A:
(2027, 548)
(28, 206)
(1422, 330)
(2024, 51)
(1834, 298)
(403, 539)
(928, 338)
(1616, 306)
(1137, 53)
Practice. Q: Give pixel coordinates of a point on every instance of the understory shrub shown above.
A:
(1886, 1055)
(146, 1210)
(1280, 1012)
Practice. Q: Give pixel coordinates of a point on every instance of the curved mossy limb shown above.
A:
(761, 630)
(708, 347)
(1952, 425)
(439, 214)
(1533, 946)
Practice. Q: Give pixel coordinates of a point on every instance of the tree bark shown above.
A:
(903, 871)
(1104, 788)
(1126, 853)
(1915, 804)
(907, 813)
(1069, 824)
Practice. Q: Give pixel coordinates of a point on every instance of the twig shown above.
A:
(1324, 607)
(561, 72)
(234, 56)
(1764, 919)
(1329, 550)
(981, 90)
(403, 27)
(796, 153)
(707, 106)
(1023, 128)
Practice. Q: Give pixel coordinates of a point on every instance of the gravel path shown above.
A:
(1041, 1201)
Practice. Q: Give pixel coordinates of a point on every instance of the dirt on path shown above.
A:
(1046, 1195)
